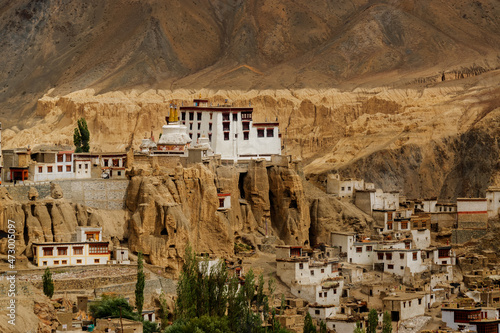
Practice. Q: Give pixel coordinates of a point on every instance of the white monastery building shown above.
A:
(231, 131)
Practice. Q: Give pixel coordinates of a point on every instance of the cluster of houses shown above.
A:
(413, 244)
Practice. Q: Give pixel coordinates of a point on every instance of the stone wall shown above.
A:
(460, 236)
(96, 193)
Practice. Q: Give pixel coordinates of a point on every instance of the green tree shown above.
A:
(81, 137)
(358, 328)
(372, 321)
(150, 327)
(387, 323)
(163, 311)
(48, 284)
(109, 306)
(322, 327)
(283, 304)
(308, 324)
(139, 286)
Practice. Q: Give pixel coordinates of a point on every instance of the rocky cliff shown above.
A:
(420, 140)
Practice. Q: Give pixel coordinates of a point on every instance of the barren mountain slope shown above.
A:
(227, 44)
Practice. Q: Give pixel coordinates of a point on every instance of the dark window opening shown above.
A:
(191, 115)
(226, 136)
(270, 132)
(260, 133)
(235, 117)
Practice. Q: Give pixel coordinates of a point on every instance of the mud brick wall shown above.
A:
(96, 193)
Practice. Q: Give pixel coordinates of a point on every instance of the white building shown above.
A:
(121, 256)
(493, 205)
(429, 205)
(402, 306)
(231, 131)
(89, 249)
(345, 242)
(344, 188)
(397, 260)
(443, 255)
(370, 200)
(83, 167)
(318, 282)
(363, 253)
(421, 238)
(343, 323)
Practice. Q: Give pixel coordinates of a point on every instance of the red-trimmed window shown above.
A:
(77, 250)
(48, 251)
(260, 132)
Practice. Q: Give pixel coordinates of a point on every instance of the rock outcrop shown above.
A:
(50, 220)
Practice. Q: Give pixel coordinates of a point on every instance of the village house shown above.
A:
(421, 238)
(363, 253)
(88, 249)
(345, 188)
(396, 261)
(370, 200)
(318, 282)
(100, 165)
(344, 241)
(231, 131)
(47, 165)
(402, 306)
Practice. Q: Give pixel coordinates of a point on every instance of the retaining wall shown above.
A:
(96, 193)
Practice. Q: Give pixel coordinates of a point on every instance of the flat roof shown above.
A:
(404, 296)
(216, 108)
(471, 199)
(345, 233)
(67, 243)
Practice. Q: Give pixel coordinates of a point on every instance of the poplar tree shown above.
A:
(308, 324)
(387, 323)
(139, 286)
(48, 284)
(81, 137)
(372, 321)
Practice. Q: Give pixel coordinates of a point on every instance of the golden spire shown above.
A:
(173, 116)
